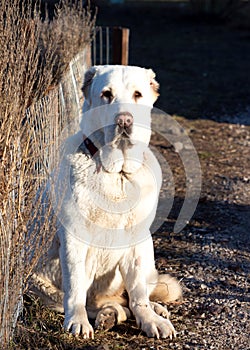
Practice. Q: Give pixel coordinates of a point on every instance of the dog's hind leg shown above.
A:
(46, 281)
(49, 294)
(110, 315)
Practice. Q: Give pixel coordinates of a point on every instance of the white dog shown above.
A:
(105, 247)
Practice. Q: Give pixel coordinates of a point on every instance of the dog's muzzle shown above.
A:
(124, 122)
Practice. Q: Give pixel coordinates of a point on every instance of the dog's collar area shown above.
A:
(91, 147)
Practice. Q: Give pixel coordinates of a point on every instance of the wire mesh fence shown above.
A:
(110, 45)
(101, 50)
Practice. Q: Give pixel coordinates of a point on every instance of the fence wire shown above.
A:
(101, 46)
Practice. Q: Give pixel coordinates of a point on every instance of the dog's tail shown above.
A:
(167, 289)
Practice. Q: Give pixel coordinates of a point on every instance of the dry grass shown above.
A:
(33, 54)
(71, 29)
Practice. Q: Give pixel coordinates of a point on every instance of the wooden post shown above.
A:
(120, 45)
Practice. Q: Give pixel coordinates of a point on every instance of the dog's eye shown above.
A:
(107, 94)
(137, 95)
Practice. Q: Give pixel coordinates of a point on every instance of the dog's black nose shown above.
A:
(124, 120)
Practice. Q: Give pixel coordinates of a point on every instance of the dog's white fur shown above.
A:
(95, 276)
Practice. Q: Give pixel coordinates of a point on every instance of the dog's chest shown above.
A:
(116, 209)
(90, 182)
(114, 198)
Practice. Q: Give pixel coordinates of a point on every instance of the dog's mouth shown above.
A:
(120, 145)
(119, 137)
(122, 140)
(124, 134)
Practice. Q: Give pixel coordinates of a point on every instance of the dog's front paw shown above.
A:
(77, 327)
(77, 323)
(156, 326)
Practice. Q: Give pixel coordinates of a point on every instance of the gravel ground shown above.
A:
(211, 256)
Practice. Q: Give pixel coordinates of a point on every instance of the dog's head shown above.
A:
(117, 114)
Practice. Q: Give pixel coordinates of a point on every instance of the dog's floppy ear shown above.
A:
(88, 77)
(154, 84)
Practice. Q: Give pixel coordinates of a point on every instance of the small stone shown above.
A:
(203, 286)
(178, 146)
